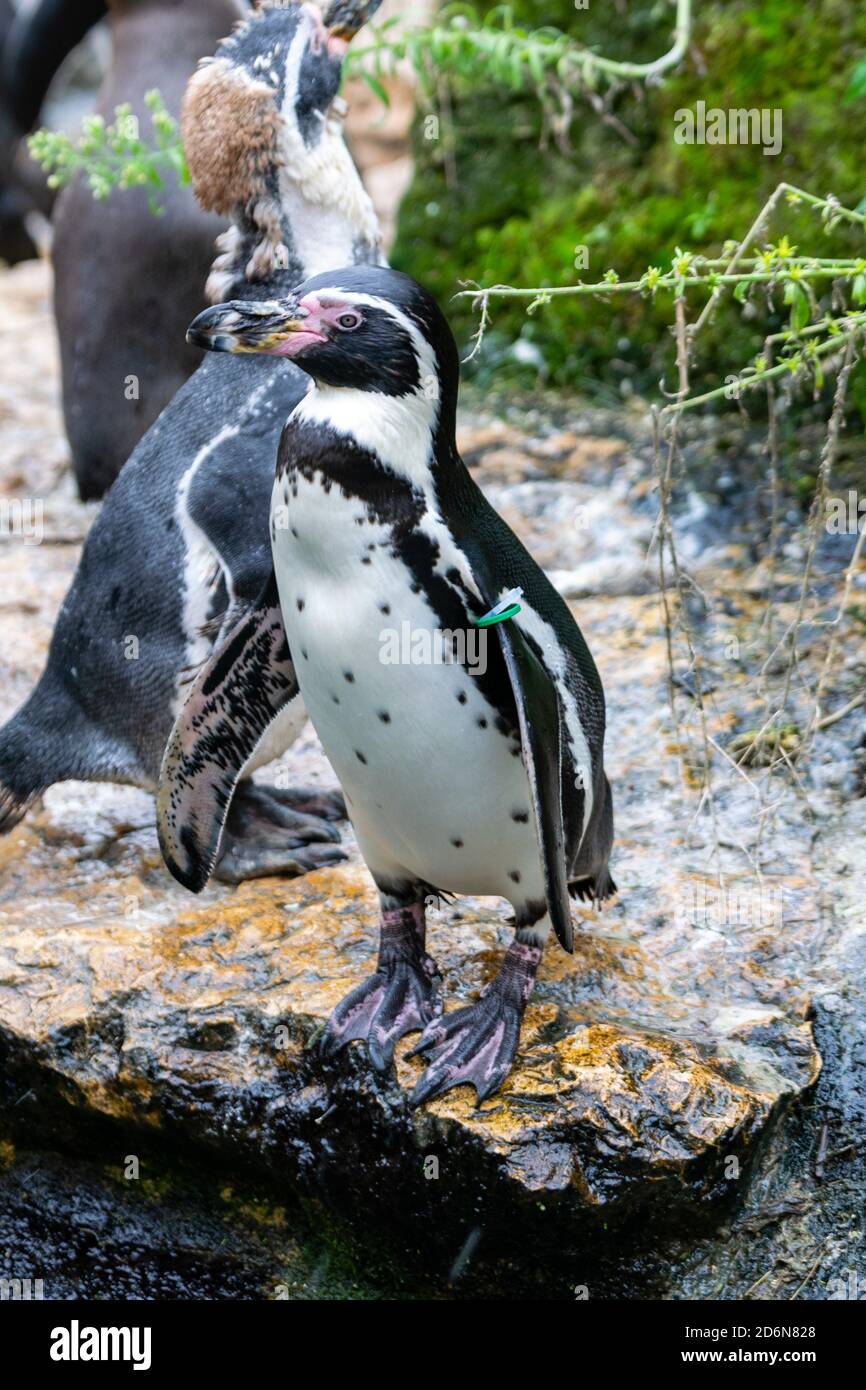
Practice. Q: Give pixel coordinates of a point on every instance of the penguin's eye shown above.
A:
(348, 321)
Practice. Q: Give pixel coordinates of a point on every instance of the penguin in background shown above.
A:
(125, 281)
(34, 40)
(180, 548)
(461, 776)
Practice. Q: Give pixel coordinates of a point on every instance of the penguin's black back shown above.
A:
(105, 703)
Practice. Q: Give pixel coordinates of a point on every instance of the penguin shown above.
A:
(33, 43)
(36, 38)
(180, 548)
(479, 773)
(110, 256)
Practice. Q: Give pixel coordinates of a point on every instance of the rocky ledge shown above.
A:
(641, 1076)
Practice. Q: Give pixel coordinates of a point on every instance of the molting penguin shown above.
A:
(126, 282)
(480, 774)
(181, 548)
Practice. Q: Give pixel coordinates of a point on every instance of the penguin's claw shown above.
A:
(400, 998)
(474, 1046)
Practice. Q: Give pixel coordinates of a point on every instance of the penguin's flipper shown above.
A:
(540, 721)
(237, 694)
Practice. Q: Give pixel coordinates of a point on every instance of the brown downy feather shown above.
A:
(231, 135)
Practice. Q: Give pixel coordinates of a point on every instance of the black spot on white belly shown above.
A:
(514, 875)
(300, 604)
(462, 696)
(520, 816)
(349, 676)
(360, 756)
(384, 716)
(384, 608)
(458, 844)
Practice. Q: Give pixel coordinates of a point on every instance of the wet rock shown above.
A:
(122, 996)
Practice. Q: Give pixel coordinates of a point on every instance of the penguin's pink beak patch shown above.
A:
(334, 41)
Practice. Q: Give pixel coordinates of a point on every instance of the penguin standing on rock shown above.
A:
(180, 548)
(479, 776)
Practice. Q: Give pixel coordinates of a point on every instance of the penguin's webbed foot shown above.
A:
(244, 859)
(309, 801)
(476, 1046)
(264, 836)
(401, 997)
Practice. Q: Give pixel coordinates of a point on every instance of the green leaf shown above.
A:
(536, 64)
(800, 311)
(376, 86)
(857, 85)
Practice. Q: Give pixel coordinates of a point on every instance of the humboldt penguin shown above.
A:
(478, 773)
(125, 281)
(180, 547)
(34, 40)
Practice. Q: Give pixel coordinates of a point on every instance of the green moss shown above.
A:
(516, 213)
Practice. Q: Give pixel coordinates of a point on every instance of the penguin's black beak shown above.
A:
(248, 326)
(344, 18)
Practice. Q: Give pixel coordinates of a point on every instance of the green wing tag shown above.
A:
(505, 608)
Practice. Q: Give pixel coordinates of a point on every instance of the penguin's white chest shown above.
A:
(435, 791)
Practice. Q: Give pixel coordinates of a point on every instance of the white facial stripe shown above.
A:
(321, 193)
(398, 429)
(424, 354)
